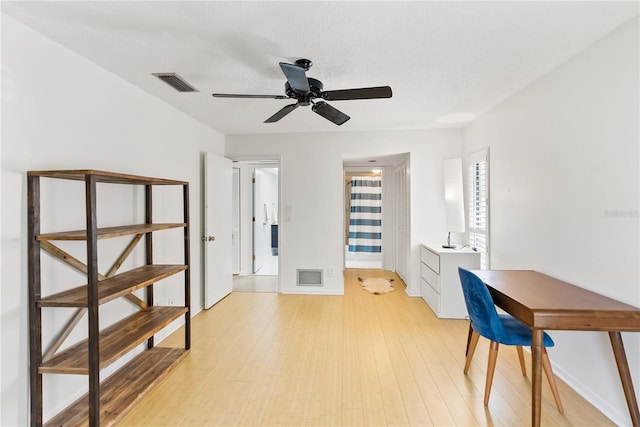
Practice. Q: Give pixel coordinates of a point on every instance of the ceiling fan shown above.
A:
(306, 89)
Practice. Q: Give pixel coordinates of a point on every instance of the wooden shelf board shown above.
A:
(120, 392)
(113, 287)
(107, 177)
(115, 341)
(110, 232)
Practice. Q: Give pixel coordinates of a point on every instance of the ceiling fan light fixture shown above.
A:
(176, 82)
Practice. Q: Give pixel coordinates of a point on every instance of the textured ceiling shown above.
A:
(440, 58)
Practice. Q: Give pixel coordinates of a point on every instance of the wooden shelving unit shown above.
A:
(107, 401)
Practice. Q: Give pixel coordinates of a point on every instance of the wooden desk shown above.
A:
(543, 302)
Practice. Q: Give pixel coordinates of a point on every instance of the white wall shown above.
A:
(60, 111)
(564, 196)
(312, 185)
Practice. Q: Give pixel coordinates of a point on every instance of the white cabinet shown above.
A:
(440, 284)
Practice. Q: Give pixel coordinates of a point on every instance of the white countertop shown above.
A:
(440, 250)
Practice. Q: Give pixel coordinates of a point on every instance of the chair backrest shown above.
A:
(480, 306)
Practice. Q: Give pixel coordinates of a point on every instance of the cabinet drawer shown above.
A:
(431, 259)
(431, 297)
(430, 277)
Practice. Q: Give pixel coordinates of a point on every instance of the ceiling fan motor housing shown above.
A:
(304, 98)
(304, 63)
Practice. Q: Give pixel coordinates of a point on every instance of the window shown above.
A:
(479, 204)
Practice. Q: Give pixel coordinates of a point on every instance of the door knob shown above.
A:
(207, 238)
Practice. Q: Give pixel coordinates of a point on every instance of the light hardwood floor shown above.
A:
(264, 359)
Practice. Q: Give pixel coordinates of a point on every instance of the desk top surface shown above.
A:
(546, 302)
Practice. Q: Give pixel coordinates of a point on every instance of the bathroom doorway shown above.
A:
(394, 220)
(258, 194)
(265, 221)
(363, 218)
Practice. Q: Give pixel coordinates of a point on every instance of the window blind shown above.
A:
(479, 204)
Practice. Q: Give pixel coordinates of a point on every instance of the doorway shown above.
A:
(257, 216)
(363, 218)
(265, 221)
(395, 205)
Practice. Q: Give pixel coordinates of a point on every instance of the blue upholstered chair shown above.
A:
(499, 329)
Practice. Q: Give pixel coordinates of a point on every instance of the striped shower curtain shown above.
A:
(365, 222)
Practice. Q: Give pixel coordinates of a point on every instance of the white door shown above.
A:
(235, 218)
(403, 220)
(256, 215)
(217, 229)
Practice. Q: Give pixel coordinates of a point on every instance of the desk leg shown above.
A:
(625, 376)
(536, 380)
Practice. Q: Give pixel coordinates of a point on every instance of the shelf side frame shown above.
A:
(187, 272)
(148, 246)
(92, 300)
(35, 312)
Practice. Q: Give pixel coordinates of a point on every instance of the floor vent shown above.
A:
(309, 277)
(176, 82)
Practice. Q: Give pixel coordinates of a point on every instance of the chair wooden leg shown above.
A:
(546, 365)
(473, 341)
(491, 367)
(466, 351)
(523, 368)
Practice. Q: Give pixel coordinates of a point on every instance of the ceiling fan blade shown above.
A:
(330, 113)
(296, 76)
(280, 114)
(234, 95)
(362, 93)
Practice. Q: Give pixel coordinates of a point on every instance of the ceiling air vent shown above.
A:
(176, 82)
